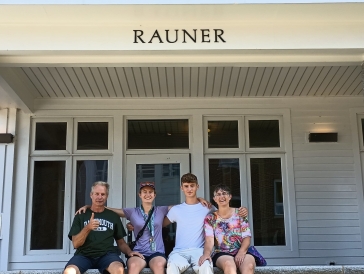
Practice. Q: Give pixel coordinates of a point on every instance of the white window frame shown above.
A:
(265, 149)
(109, 120)
(66, 210)
(241, 137)
(291, 235)
(69, 135)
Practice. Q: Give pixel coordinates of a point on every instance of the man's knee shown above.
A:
(205, 268)
(181, 266)
(116, 268)
(71, 269)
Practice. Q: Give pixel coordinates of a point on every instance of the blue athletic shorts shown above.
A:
(101, 263)
(150, 257)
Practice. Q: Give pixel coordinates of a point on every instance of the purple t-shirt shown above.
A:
(136, 218)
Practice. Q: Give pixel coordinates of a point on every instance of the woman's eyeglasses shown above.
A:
(222, 194)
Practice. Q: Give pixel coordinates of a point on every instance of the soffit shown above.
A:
(191, 82)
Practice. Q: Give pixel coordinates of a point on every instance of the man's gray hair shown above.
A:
(101, 183)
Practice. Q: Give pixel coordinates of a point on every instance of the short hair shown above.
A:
(189, 178)
(222, 187)
(100, 183)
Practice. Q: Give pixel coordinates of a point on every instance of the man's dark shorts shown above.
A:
(149, 258)
(101, 263)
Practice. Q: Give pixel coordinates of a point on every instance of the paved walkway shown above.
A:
(337, 269)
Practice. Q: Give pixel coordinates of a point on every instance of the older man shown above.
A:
(93, 235)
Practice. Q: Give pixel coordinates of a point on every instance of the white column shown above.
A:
(7, 125)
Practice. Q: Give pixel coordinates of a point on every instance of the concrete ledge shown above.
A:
(343, 269)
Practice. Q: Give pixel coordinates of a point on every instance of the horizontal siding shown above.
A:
(329, 246)
(328, 223)
(342, 231)
(325, 181)
(324, 167)
(320, 202)
(327, 216)
(324, 160)
(327, 194)
(329, 238)
(325, 184)
(331, 252)
(325, 153)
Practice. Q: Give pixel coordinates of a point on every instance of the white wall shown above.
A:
(327, 185)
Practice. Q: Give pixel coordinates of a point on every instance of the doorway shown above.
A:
(165, 170)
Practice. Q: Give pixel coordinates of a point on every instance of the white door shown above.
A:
(165, 170)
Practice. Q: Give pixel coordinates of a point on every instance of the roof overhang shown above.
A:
(257, 37)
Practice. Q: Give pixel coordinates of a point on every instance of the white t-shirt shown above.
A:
(190, 225)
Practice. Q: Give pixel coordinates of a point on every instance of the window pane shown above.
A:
(267, 200)
(227, 172)
(88, 172)
(223, 134)
(48, 205)
(362, 128)
(167, 184)
(50, 136)
(157, 134)
(264, 133)
(92, 135)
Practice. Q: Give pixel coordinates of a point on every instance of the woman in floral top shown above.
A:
(229, 234)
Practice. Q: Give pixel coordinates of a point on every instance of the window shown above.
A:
(48, 204)
(225, 171)
(223, 134)
(249, 155)
(67, 157)
(263, 133)
(268, 229)
(158, 134)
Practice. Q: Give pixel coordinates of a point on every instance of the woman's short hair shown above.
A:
(100, 183)
(222, 187)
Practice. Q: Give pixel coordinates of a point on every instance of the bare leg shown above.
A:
(135, 265)
(71, 269)
(157, 265)
(248, 265)
(227, 264)
(116, 268)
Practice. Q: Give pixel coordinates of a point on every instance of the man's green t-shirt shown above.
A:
(100, 241)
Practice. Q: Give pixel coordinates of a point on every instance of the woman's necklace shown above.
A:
(226, 215)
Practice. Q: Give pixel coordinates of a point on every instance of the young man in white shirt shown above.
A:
(190, 237)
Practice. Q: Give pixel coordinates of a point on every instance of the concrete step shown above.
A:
(337, 269)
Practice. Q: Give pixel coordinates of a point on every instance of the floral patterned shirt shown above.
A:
(228, 233)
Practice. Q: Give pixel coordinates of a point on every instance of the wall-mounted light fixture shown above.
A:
(6, 138)
(322, 137)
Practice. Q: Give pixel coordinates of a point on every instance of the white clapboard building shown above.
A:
(264, 96)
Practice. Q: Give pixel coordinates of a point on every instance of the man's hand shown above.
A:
(204, 202)
(203, 258)
(93, 224)
(82, 209)
(243, 212)
(130, 227)
(134, 253)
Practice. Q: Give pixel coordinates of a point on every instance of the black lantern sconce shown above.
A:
(6, 138)
(322, 137)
